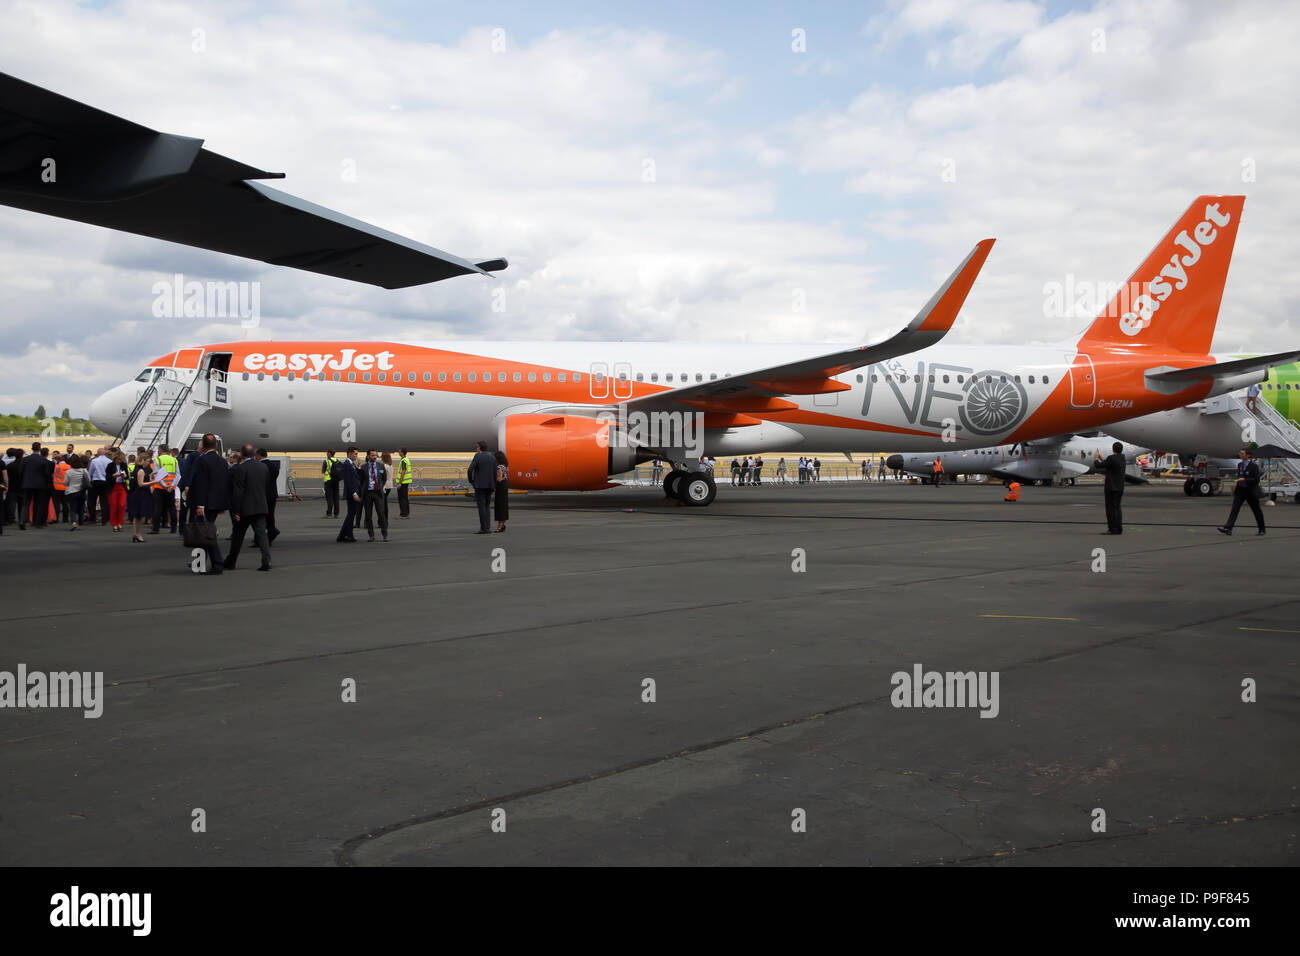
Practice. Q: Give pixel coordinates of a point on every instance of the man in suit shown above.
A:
(209, 494)
(248, 507)
(373, 478)
(1245, 490)
(351, 482)
(272, 493)
(37, 486)
(186, 513)
(483, 477)
(1113, 467)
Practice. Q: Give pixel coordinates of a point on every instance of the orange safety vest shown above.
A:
(61, 476)
(1013, 493)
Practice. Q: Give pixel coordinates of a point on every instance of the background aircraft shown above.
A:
(1045, 461)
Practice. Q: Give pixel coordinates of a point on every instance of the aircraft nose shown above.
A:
(109, 411)
(894, 462)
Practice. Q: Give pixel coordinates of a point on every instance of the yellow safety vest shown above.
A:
(168, 464)
(328, 467)
(404, 471)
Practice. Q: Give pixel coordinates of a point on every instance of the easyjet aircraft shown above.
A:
(571, 415)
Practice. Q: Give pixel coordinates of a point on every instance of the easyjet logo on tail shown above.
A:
(317, 362)
(1173, 275)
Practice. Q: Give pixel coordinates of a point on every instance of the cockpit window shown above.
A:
(148, 375)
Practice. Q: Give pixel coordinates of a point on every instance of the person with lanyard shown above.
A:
(1245, 490)
(116, 473)
(141, 486)
(403, 484)
(373, 479)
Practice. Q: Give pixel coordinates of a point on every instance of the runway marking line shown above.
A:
(1030, 617)
(1270, 630)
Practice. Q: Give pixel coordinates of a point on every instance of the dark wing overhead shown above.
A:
(70, 160)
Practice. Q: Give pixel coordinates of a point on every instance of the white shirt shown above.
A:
(98, 466)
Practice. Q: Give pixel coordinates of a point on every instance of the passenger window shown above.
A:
(456, 377)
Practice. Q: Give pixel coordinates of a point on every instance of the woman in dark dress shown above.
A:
(141, 496)
(501, 497)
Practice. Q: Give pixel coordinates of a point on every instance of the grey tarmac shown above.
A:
(522, 691)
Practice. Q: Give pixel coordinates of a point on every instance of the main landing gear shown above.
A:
(693, 488)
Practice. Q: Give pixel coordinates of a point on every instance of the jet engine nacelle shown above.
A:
(564, 452)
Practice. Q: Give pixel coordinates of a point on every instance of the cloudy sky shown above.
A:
(670, 170)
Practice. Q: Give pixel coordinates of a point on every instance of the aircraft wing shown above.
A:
(64, 158)
(757, 391)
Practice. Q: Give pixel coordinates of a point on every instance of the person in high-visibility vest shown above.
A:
(61, 469)
(167, 470)
(331, 470)
(403, 484)
(1013, 492)
(938, 471)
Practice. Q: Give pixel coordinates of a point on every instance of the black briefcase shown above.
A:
(200, 533)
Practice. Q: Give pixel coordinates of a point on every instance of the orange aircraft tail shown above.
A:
(1170, 304)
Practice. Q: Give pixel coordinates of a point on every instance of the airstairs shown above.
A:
(170, 407)
(1265, 426)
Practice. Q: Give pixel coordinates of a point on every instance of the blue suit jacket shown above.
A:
(351, 480)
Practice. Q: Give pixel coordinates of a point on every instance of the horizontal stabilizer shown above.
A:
(1167, 380)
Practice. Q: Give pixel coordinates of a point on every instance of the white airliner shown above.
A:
(571, 415)
(1043, 461)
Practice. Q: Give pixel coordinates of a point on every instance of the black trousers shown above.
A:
(331, 499)
(258, 523)
(272, 532)
(350, 519)
(213, 547)
(35, 501)
(483, 498)
(375, 500)
(1246, 495)
(98, 502)
(164, 506)
(404, 500)
(1114, 516)
(60, 506)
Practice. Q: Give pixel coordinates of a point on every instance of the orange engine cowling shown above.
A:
(563, 452)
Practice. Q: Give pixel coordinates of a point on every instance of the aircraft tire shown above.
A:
(671, 482)
(697, 490)
(1189, 488)
(1204, 489)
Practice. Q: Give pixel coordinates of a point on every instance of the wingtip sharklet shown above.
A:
(939, 314)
